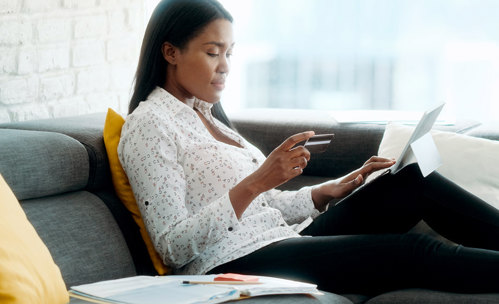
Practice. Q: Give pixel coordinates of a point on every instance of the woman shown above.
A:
(208, 200)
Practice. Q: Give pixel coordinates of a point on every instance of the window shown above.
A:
(364, 54)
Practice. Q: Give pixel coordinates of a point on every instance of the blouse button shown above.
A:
(282, 225)
(146, 203)
(254, 160)
(230, 228)
(263, 204)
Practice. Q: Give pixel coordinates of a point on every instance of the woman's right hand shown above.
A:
(283, 164)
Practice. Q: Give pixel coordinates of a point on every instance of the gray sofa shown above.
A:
(58, 169)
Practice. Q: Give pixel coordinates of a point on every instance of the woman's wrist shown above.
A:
(243, 194)
(320, 197)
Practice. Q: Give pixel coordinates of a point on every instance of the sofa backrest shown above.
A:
(49, 173)
(36, 164)
(86, 129)
(353, 144)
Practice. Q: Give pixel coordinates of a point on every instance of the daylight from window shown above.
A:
(366, 54)
(337, 55)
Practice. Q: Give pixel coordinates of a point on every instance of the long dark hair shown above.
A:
(176, 22)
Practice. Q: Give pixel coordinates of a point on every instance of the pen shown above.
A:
(221, 282)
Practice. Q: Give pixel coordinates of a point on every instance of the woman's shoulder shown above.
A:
(142, 116)
(160, 104)
(145, 110)
(145, 119)
(149, 111)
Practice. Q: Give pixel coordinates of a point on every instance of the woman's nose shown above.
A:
(224, 65)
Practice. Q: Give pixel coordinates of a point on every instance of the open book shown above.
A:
(173, 289)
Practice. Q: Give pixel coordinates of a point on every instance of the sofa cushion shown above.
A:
(486, 130)
(424, 296)
(112, 133)
(82, 235)
(28, 272)
(468, 161)
(29, 156)
(87, 129)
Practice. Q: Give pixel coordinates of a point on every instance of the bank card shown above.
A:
(318, 143)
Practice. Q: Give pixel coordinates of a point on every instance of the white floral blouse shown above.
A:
(181, 176)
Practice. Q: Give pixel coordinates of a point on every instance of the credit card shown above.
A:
(318, 143)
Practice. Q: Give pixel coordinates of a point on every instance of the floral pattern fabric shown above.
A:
(181, 177)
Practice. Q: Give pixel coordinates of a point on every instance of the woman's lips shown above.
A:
(219, 85)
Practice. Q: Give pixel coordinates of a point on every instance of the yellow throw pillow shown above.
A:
(112, 132)
(28, 273)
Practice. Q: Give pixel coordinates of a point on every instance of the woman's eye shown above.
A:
(212, 54)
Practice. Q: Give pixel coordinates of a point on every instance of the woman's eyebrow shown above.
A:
(219, 44)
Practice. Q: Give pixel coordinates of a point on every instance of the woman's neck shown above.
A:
(215, 131)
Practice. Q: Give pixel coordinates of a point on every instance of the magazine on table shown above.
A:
(185, 289)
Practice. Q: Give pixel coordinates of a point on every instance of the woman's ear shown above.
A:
(169, 52)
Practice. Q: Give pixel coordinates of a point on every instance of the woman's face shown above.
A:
(200, 69)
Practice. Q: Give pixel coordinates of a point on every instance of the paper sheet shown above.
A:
(427, 154)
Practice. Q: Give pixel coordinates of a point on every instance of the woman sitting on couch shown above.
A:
(208, 197)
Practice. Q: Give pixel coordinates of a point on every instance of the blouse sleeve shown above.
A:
(295, 206)
(149, 157)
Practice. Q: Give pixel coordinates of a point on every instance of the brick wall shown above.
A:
(67, 57)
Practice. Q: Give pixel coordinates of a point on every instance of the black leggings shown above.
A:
(361, 244)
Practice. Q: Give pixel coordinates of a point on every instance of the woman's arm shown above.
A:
(283, 164)
(148, 155)
(323, 193)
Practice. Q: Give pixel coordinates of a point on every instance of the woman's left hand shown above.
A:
(341, 187)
